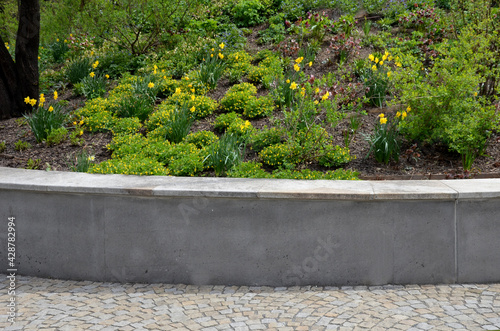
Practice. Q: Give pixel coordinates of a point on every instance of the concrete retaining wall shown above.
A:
(250, 231)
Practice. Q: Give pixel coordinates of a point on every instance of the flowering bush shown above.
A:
(202, 138)
(43, 120)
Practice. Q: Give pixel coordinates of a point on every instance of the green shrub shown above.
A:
(339, 174)
(248, 13)
(277, 155)
(127, 144)
(126, 125)
(236, 101)
(259, 107)
(161, 116)
(333, 156)
(202, 138)
(374, 6)
(249, 169)
(183, 159)
(130, 165)
(223, 121)
(266, 137)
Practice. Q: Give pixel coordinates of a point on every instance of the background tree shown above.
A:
(19, 76)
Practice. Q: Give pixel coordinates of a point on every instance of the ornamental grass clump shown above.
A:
(225, 154)
(212, 67)
(179, 123)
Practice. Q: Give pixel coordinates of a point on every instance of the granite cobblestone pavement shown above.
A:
(47, 304)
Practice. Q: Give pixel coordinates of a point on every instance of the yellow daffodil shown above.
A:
(374, 67)
(213, 49)
(193, 97)
(325, 96)
(42, 99)
(296, 67)
(298, 60)
(55, 95)
(81, 132)
(151, 85)
(107, 76)
(381, 115)
(27, 100)
(383, 120)
(81, 122)
(74, 123)
(316, 90)
(376, 60)
(403, 115)
(193, 109)
(178, 90)
(51, 109)
(288, 81)
(92, 74)
(221, 56)
(293, 86)
(39, 58)
(91, 158)
(475, 94)
(389, 74)
(381, 63)
(398, 64)
(398, 114)
(211, 55)
(57, 39)
(408, 109)
(371, 57)
(384, 57)
(316, 102)
(222, 46)
(310, 63)
(33, 102)
(96, 63)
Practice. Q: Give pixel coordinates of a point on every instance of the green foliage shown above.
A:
(276, 155)
(202, 138)
(267, 71)
(223, 121)
(333, 156)
(339, 174)
(248, 13)
(58, 50)
(2, 146)
(385, 141)
(224, 154)
(43, 120)
(97, 114)
(212, 67)
(139, 106)
(259, 107)
(239, 65)
(445, 105)
(93, 86)
(57, 136)
(82, 161)
(129, 125)
(77, 70)
(266, 137)
(33, 164)
(249, 169)
(237, 97)
(275, 33)
(178, 124)
(21, 145)
(130, 165)
(374, 6)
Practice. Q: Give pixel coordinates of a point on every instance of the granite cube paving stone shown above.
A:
(48, 304)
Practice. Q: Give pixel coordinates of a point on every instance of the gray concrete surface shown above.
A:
(251, 232)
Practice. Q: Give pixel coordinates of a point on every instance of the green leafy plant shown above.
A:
(179, 123)
(202, 138)
(248, 13)
(77, 70)
(33, 164)
(58, 50)
(212, 67)
(385, 141)
(21, 145)
(57, 136)
(139, 106)
(82, 161)
(42, 120)
(224, 154)
(93, 86)
(2, 146)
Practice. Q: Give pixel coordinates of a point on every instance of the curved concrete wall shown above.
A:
(251, 231)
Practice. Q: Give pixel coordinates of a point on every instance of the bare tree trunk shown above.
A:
(20, 79)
